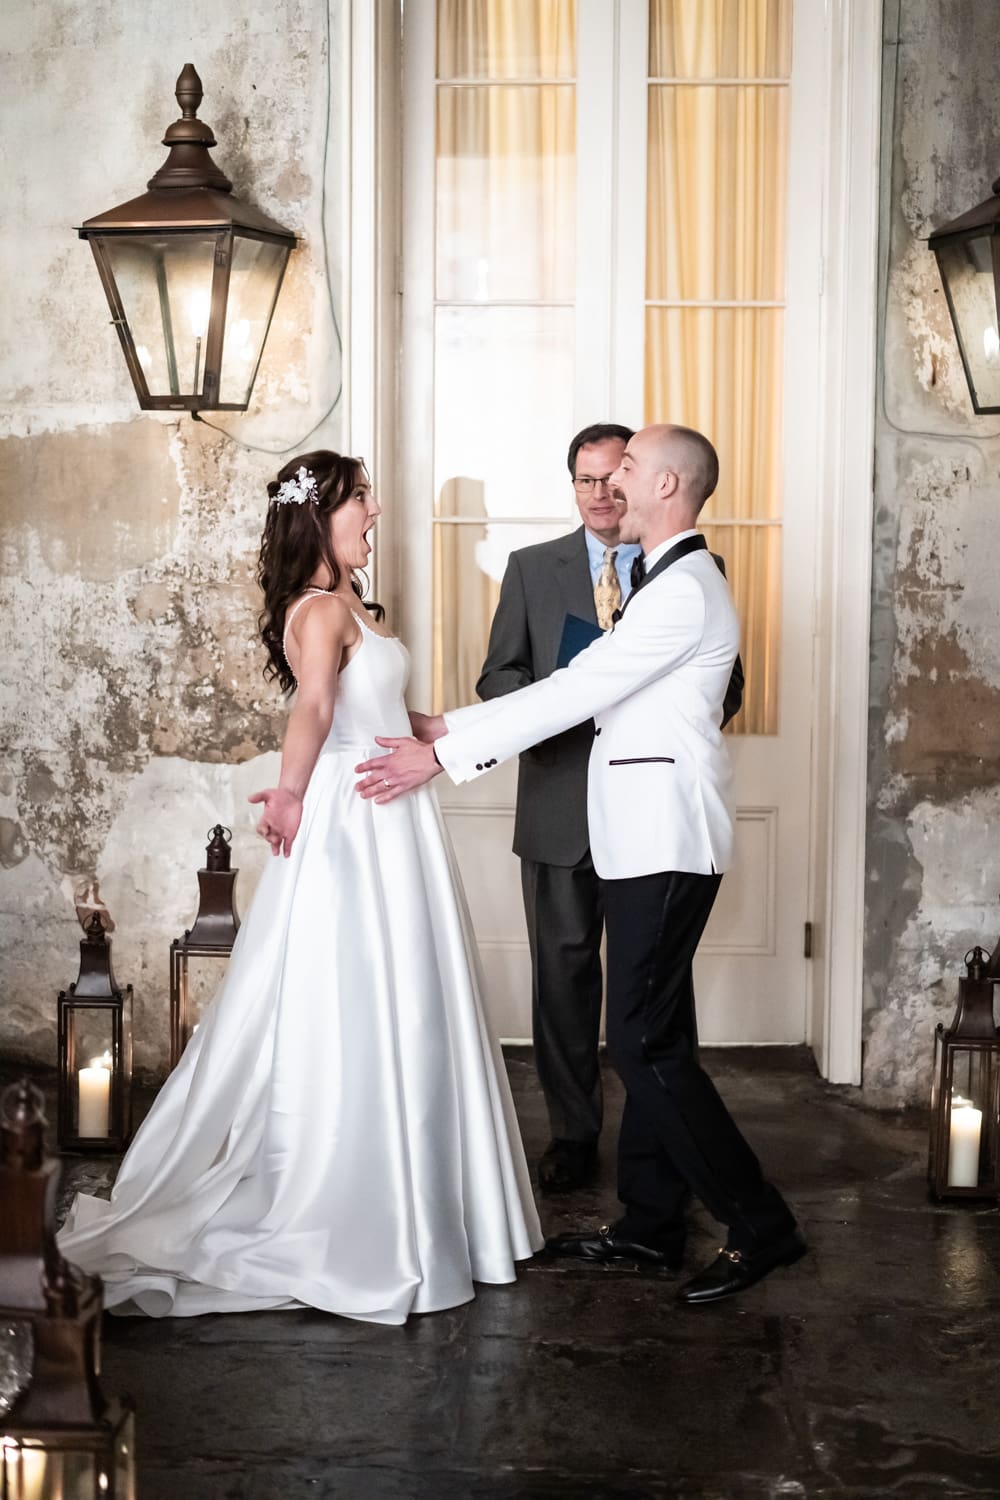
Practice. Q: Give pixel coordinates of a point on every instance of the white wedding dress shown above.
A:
(339, 1133)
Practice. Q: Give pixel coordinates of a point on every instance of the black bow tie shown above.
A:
(638, 570)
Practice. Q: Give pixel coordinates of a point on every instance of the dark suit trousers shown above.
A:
(564, 909)
(677, 1135)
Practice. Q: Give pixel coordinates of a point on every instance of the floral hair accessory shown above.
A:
(297, 490)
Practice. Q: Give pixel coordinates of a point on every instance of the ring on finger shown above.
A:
(386, 782)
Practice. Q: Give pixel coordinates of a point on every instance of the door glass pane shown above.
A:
(505, 193)
(715, 251)
(724, 39)
(503, 398)
(716, 186)
(504, 320)
(752, 556)
(506, 38)
(719, 370)
(469, 564)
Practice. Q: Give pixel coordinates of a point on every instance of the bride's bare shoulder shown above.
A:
(310, 620)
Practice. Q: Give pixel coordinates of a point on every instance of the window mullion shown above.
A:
(595, 165)
(628, 215)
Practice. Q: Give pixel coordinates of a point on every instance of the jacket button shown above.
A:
(479, 765)
(492, 762)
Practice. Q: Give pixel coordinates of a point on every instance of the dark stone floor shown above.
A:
(869, 1369)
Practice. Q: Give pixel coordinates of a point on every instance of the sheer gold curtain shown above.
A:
(505, 197)
(715, 270)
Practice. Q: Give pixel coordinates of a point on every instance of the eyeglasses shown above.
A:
(585, 484)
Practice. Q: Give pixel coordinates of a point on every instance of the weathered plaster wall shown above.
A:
(134, 710)
(933, 861)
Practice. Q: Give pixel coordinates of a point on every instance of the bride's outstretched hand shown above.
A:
(281, 818)
(427, 727)
(406, 765)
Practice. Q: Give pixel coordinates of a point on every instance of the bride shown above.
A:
(339, 1132)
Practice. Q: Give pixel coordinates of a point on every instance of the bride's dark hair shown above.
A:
(296, 541)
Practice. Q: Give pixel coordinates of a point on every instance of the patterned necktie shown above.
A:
(607, 590)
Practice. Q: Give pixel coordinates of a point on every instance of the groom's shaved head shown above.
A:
(686, 452)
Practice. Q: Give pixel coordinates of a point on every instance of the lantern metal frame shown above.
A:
(212, 936)
(189, 195)
(981, 222)
(972, 1033)
(60, 1414)
(96, 990)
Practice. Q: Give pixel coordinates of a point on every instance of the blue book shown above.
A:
(577, 635)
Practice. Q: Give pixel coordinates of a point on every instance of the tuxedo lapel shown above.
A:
(672, 555)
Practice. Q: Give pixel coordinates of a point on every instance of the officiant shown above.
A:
(555, 598)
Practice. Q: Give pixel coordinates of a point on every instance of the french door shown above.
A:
(610, 212)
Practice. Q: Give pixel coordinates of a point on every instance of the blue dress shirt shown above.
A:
(627, 553)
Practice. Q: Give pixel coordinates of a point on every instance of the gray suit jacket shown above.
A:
(542, 585)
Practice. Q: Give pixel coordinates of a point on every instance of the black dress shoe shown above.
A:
(567, 1165)
(734, 1270)
(606, 1244)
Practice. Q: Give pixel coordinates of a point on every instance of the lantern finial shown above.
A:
(190, 140)
(189, 92)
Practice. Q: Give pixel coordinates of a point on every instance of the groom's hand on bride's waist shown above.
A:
(406, 765)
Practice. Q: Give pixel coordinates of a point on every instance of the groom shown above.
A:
(655, 687)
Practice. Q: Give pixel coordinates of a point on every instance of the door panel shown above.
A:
(546, 285)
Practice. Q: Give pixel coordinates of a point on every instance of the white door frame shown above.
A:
(844, 462)
(845, 412)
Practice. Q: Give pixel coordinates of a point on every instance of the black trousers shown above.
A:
(677, 1136)
(564, 909)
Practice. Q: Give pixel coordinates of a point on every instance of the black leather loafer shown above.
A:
(606, 1244)
(734, 1270)
(567, 1165)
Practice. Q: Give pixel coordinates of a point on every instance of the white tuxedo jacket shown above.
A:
(658, 795)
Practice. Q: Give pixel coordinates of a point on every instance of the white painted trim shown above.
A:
(361, 144)
(371, 234)
(414, 521)
(843, 581)
(597, 84)
(628, 210)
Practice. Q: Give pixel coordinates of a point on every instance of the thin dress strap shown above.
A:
(312, 594)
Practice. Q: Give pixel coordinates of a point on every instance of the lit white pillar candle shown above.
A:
(95, 1097)
(963, 1144)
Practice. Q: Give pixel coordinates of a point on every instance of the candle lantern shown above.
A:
(968, 257)
(60, 1438)
(964, 1157)
(191, 275)
(95, 1052)
(213, 934)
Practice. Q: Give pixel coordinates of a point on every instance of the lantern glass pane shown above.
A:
(967, 271)
(254, 280)
(89, 1058)
(974, 1116)
(29, 1473)
(165, 285)
(94, 1465)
